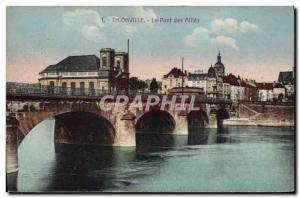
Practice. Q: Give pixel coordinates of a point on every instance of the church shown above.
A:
(85, 74)
(212, 81)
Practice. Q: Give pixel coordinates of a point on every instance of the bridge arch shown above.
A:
(155, 121)
(24, 122)
(80, 127)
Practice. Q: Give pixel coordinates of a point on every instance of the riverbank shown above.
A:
(258, 122)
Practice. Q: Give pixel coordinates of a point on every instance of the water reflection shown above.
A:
(198, 136)
(234, 158)
(76, 164)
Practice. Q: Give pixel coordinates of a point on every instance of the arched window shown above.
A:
(82, 88)
(73, 88)
(64, 88)
(51, 87)
(91, 88)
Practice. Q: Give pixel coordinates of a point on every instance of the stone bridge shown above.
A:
(80, 120)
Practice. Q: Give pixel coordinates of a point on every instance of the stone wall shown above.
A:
(270, 114)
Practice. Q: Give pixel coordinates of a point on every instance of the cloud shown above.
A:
(247, 27)
(203, 37)
(92, 33)
(226, 41)
(81, 17)
(86, 21)
(89, 24)
(220, 33)
(232, 26)
(146, 13)
(229, 25)
(199, 36)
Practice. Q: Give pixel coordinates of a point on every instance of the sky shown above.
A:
(255, 42)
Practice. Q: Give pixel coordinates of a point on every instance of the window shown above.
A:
(73, 87)
(51, 87)
(91, 88)
(118, 63)
(104, 61)
(81, 88)
(64, 88)
(51, 83)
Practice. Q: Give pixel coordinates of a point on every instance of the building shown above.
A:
(287, 80)
(224, 90)
(206, 81)
(278, 91)
(86, 73)
(173, 79)
(211, 88)
(250, 90)
(197, 80)
(236, 90)
(265, 91)
(219, 67)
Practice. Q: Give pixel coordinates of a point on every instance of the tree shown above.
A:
(142, 85)
(133, 84)
(136, 85)
(154, 86)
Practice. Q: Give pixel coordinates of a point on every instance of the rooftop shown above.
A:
(174, 72)
(196, 76)
(83, 63)
(231, 79)
(264, 86)
(286, 78)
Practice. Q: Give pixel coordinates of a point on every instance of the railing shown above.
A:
(40, 90)
(23, 88)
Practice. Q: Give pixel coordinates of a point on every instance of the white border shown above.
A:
(4, 3)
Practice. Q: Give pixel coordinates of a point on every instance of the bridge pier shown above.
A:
(125, 134)
(222, 114)
(125, 131)
(181, 127)
(11, 153)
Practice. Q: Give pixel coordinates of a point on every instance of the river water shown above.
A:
(241, 159)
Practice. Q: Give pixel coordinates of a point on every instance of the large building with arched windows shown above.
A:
(87, 73)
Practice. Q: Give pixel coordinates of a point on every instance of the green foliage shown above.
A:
(154, 86)
(137, 85)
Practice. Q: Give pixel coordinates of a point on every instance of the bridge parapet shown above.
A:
(20, 90)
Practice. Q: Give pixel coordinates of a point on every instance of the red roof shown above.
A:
(175, 72)
(231, 79)
(265, 86)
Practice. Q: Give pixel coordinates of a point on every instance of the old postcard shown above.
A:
(150, 99)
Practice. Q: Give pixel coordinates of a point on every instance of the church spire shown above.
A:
(219, 57)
